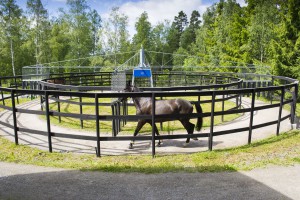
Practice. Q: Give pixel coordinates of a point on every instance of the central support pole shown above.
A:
(142, 70)
(142, 58)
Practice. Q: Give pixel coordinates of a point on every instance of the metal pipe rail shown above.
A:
(119, 116)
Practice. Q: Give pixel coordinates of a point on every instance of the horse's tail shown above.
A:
(199, 119)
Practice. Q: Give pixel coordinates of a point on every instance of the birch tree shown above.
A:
(10, 17)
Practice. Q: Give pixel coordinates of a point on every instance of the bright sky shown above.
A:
(157, 10)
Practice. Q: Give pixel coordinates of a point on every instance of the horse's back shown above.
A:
(173, 106)
(57, 81)
(184, 106)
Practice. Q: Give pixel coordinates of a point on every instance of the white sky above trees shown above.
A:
(158, 10)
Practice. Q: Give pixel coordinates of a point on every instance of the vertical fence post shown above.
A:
(292, 108)
(3, 101)
(251, 115)
(280, 110)
(161, 123)
(80, 110)
(294, 103)
(153, 124)
(295, 99)
(48, 120)
(240, 87)
(15, 80)
(41, 96)
(223, 105)
(118, 114)
(201, 80)
(58, 109)
(212, 116)
(114, 129)
(13, 105)
(271, 92)
(124, 103)
(97, 125)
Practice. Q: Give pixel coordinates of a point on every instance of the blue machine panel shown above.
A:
(142, 73)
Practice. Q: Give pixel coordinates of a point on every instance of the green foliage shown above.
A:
(11, 36)
(143, 37)
(114, 35)
(39, 32)
(188, 37)
(262, 32)
(178, 26)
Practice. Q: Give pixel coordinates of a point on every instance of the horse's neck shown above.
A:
(140, 101)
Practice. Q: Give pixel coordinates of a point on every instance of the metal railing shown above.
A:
(214, 93)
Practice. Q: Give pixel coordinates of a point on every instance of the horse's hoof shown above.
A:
(185, 144)
(130, 146)
(159, 143)
(195, 138)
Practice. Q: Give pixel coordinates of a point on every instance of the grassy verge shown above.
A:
(281, 150)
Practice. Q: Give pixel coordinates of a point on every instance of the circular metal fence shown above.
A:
(204, 88)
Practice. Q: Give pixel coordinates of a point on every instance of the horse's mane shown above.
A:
(136, 89)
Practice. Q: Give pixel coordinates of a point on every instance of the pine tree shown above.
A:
(178, 25)
(40, 27)
(60, 41)
(189, 34)
(96, 20)
(80, 35)
(285, 46)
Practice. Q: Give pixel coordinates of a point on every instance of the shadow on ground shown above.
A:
(97, 185)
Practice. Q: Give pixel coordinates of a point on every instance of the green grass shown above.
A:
(8, 102)
(277, 150)
(105, 126)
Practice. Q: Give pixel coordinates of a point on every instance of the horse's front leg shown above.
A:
(139, 126)
(157, 133)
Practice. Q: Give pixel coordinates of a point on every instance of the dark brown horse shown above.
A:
(57, 81)
(173, 106)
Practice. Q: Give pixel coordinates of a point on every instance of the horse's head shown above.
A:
(129, 88)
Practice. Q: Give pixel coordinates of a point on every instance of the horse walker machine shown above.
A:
(143, 70)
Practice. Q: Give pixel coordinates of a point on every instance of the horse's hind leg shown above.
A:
(189, 128)
(139, 126)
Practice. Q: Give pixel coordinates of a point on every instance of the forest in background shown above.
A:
(263, 33)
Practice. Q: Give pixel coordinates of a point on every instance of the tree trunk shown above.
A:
(12, 57)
